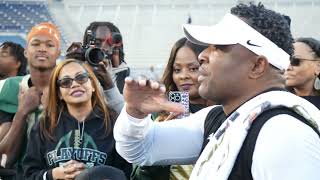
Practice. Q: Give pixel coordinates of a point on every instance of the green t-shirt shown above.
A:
(9, 92)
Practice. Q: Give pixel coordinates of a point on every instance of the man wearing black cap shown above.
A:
(261, 131)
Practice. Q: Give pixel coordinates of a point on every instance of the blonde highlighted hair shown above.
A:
(55, 106)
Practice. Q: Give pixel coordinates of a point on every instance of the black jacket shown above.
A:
(96, 147)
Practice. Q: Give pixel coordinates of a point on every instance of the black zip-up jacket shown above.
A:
(86, 142)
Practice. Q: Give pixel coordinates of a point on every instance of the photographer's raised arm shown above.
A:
(111, 92)
(103, 73)
(114, 99)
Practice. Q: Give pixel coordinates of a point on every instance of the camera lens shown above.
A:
(94, 56)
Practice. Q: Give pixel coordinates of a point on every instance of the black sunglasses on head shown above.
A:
(294, 61)
(67, 81)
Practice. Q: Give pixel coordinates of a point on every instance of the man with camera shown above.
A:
(102, 41)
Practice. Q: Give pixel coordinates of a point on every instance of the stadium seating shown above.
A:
(19, 16)
(13, 38)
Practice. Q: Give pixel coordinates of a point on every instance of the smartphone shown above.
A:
(181, 97)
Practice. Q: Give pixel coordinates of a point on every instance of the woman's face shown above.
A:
(303, 74)
(79, 90)
(185, 72)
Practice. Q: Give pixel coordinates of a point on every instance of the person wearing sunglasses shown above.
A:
(75, 130)
(302, 76)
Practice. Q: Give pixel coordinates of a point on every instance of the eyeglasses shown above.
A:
(294, 61)
(67, 82)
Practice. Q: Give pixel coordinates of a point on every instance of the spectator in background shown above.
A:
(20, 96)
(12, 60)
(302, 75)
(189, 20)
(77, 120)
(181, 74)
(108, 37)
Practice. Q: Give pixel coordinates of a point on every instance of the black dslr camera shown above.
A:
(94, 55)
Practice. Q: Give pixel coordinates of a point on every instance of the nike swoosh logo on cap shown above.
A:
(249, 43)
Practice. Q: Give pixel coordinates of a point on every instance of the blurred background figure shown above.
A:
(107, 36)
(180, 74)
(12, 60)
(189, 20)
(76, 124)
(302, 76)
(102, 41)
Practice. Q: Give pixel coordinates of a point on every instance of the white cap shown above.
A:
(232, 30)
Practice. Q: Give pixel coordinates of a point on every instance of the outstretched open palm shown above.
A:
(145, 96)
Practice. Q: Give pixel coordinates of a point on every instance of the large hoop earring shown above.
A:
(317, 83)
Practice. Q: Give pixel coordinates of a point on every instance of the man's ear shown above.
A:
(259, 66)
(18, 64)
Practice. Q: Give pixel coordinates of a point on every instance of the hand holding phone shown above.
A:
(181, 97)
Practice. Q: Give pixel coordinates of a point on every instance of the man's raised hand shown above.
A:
(145, 96)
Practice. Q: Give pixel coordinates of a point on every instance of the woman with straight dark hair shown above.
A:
(181, 74)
